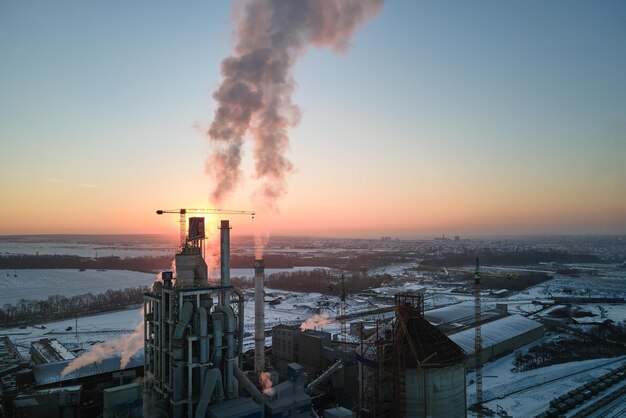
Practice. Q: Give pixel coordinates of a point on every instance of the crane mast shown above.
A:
(478, 342)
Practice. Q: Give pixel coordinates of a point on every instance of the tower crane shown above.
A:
(478, 342)
(183, 217)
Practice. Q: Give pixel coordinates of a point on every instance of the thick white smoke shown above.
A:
(125, 347)
(255, 95)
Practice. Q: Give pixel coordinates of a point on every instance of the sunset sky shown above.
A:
(463, 118)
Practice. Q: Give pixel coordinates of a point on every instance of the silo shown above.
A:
(429, 369)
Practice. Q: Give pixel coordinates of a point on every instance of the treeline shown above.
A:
(26, 311)
(323, 281)
(348, 261)
(519, 258)
(143, 264)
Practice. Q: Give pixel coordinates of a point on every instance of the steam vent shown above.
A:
(430, 367)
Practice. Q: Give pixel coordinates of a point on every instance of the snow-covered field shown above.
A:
(41, 284)
(91, 329)
(562, 286)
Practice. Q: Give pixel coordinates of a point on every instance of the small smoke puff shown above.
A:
(260, 242)
(256, 92)
(316, 321)
(265, 380)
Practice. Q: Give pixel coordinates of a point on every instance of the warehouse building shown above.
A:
(454, 318)
(500, 337)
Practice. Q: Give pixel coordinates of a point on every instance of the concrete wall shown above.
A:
(435, 392)
(508, 346)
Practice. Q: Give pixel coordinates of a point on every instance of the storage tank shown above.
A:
(429, 370)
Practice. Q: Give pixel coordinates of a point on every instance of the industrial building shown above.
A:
(194, 343)
(42, 390)
(408, 368)
(284, 346)
(10, 358)
(454, 318)
(49, 351)
(500, 337)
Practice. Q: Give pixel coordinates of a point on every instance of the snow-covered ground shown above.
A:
(394, 269)
(526, 394)
(41, 284)
(91, 329)
(584, 286)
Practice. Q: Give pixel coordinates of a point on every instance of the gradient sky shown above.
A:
(470, 118)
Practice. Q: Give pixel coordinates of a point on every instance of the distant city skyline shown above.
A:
(470, 119)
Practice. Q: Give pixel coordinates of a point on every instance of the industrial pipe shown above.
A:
(218, 333)
(203, 331)
(225, 253)
(240, 303)
(212, 379)
(185, 317)
(230, 344)
(250, 388)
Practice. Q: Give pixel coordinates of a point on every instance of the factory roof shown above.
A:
(495, 332)
(287, 327)
(9, 356)
(316, 334)
(458, 313)
(46, 374)
(432, 348)
(51, 350)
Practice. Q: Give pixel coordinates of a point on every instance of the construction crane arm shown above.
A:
(207, 211)
(213, 211)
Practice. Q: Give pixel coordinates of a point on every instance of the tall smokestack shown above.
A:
(259, 317)
(224, 253)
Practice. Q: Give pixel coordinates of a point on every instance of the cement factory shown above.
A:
(196, 360)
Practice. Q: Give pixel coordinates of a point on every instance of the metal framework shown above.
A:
(183, 217)
(172, 364)
(478, 341)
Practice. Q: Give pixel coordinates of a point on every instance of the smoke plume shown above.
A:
(255, 95)
(316, 321)
(125, 347)
(260, 242)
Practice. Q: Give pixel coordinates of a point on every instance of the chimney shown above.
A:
(259, 317)
(224, 253)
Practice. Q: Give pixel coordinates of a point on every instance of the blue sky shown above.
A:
(444, 117)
